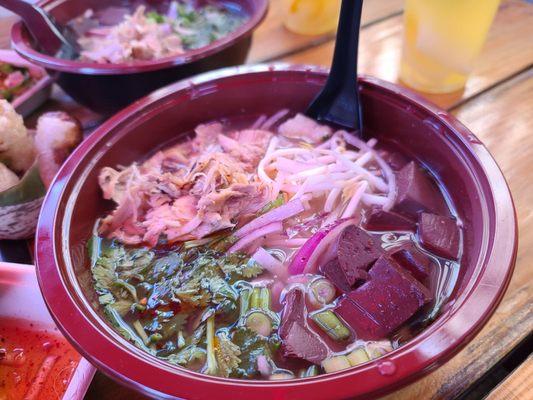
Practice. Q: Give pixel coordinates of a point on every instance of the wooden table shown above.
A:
(497, 105)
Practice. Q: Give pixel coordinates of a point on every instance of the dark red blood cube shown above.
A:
(416, 192)
(293, 310)
(298, 340)
(356, 252)
(301, 342)
(395, 159)
(384, 302)
(333, 271)
(439, 235)
(381, 220)
(413, 260)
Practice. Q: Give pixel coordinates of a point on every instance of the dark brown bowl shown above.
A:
(436, 139)
(106, 88)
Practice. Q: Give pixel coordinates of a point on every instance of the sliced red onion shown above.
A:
(305, 260)
(259, 122)
(280, 213)
(263, 366)
(274, 227)
(274, 119)
(268, 262)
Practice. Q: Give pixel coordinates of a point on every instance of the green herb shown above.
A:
(227, 356)
(239, 265)
(155, 16)
(187, 355)
(122, 328)
(277, 202)
(251, 346)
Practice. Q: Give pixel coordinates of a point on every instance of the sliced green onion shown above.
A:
(334, 364)
(378, 349)
(280, 376)
(260, 323)
(308, 372)
(357, 356)
(331, 324)
(260, 298)
(244, 300)
(322, 292)
(154, 338)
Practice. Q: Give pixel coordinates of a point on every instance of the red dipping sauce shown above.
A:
(35, 363)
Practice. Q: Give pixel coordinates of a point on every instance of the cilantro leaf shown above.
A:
(227, 355)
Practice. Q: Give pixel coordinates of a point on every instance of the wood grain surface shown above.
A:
(517, 386)
(497, 105)
(272, 40)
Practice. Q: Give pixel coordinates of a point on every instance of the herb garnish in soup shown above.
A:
(278, 251)
(116, 35)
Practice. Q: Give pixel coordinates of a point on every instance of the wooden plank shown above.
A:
(5, 30)
(272, 40)
(517, 386)
(508, 50)
(503, 119)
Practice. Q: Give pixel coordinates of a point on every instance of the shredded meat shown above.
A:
(189, 190)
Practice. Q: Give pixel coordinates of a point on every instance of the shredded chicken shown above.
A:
(189, 190)
(136, 38)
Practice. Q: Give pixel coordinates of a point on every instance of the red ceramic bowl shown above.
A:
(456, 157)
(106, 88)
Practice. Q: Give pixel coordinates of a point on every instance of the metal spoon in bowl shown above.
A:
(338, 102)
(51, 37)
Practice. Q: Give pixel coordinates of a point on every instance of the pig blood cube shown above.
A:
(293, 310)
(333, 271)
(416, 193)
(301, 342)
(439, 235)
(413, 260)
(388, 299)
(381, 220)
(298, 340)
(356, 252)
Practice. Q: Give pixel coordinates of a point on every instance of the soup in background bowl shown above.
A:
(432, 146)
(106, 87)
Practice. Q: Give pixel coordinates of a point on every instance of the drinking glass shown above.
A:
(441, 41)
(311, 17)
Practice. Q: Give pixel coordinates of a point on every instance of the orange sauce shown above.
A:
(35, 363)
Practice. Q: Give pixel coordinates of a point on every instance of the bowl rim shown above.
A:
(438, 343)
(21, 43)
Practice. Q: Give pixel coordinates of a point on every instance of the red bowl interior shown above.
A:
(454, 155)
(66, 10)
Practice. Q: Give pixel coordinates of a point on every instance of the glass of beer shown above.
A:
(311, 17)
(442, 39)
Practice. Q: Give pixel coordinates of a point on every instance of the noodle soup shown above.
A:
(279, 250)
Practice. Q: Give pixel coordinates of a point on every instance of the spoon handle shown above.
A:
(341, 94)
(41, 27)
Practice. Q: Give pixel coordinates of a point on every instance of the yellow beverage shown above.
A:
(311, 17)
(442, 39)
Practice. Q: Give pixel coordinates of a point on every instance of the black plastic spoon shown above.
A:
(338, 102)
(51, 37)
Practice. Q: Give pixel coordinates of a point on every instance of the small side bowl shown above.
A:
(21, 300)
(435, 138)
(106, 88)
(34, 96)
